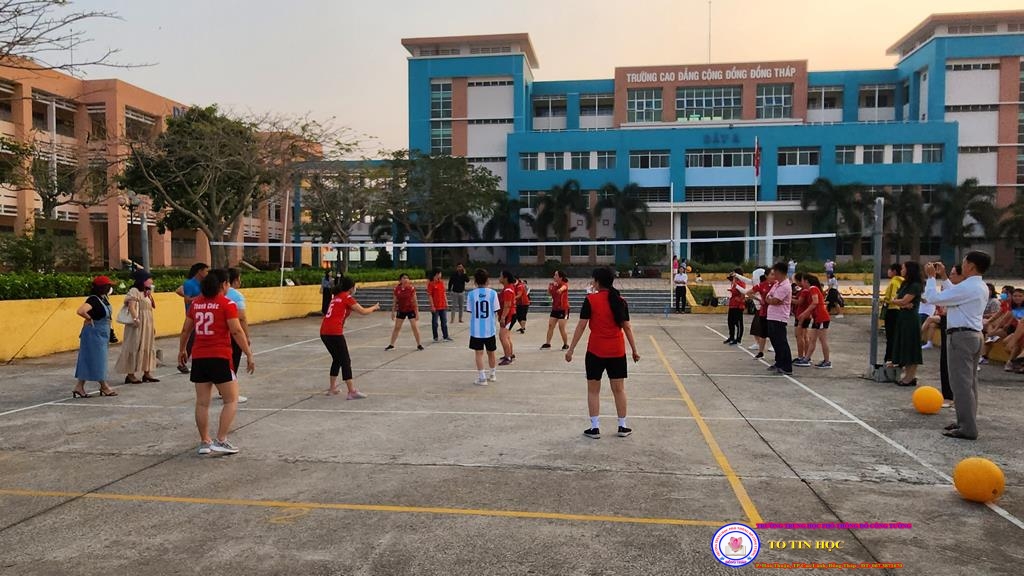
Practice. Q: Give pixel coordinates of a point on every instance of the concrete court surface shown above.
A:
(433, 475)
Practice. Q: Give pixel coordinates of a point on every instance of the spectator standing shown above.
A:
(94, 339)
(457, 286)
(138, 353)
(780, 299)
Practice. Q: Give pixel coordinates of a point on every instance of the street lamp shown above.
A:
(131, 202)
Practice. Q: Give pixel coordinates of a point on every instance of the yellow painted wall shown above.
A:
(35, 328)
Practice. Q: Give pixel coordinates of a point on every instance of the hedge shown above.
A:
(33, 285)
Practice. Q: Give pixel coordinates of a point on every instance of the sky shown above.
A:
(342, 60)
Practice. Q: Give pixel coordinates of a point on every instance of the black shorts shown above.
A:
(216, 370)
(559, 314)
(521, 312)
(510, 324)
(804, 324)
(820, 325)
(490, 344)
(405, 315)
(596, 366)
(759, 326)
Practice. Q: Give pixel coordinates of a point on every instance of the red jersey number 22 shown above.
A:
(204, 323)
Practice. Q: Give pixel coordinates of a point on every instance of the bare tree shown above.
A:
(208, 169)
(341, 195)
(37, 34)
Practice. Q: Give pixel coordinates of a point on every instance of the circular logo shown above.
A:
(735, 545)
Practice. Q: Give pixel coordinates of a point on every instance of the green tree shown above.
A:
(630, 211)
(207, 169)
(1011, 225)
(905, 220)
(338, 196)
(555, 210)
(505, 222)
(965, 213)
(426, 194)
(839, 209)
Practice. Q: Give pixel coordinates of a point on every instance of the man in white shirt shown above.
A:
(965, 304)
(680, 280)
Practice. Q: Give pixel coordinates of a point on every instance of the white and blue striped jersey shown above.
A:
(483, 312)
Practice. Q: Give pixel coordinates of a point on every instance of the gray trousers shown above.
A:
(460, 303)
(962, 362)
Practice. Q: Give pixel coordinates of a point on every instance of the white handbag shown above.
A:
(124, 315)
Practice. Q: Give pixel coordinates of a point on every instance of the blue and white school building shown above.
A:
(950, 109)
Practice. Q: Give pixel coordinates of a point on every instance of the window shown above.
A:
(439, 51)
(275, 211)
(931, 153)
(791, 193)
(972, 108)
(579, 250)
(549, 106)
(978, 149)
(846, 154)
(931, 245)
(653, 194)
(580, 161)
(6, 95)
(719, 193)
(605, 249)
(728, 158)
(553, 252)
(824, 97)
(799, 156)
(874, 154)
(927, 194)
(554, 161)
(528, 161)
(597, 104)
(643, 105)
(877, 96)
(530, 199)
(648, 159)
(138, 125)
(605, 159)
(528, 251)
(485, 159)
(775, 101)
(971, 28)
(440, 118)
(490, 121)
(97, 121)
(490, 83)
(183, 247)
(1015, 27)
(902, 153)
(718, 103)
(490, 49)
(844, 246)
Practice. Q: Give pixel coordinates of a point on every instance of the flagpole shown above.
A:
(757, 182)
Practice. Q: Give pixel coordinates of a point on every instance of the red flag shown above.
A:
(757, 158)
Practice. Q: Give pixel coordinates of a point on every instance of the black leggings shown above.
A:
(339, 355)
(736, 324)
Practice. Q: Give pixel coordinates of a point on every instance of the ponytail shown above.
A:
(605, 279)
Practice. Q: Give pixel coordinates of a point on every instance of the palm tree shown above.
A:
(505, 222)
(905, 220)
(1011, 226)
(832, 203)
(965, 213)
(459, 229)
(555, 212)
(630, 211)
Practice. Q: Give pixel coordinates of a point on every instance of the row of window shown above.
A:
(575, 251)
(973, 66)
(485, 159)
(901, 154)
(972, 108)
(440, 118)
(490, 83)
(490, 121)
(736, 157)
(773, 101)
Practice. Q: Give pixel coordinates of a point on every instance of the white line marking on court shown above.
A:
(994, 507)
(16, 410)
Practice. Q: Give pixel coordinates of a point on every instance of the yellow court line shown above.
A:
(716, 451)
(360, 507)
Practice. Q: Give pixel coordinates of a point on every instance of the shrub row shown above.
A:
(32, 285)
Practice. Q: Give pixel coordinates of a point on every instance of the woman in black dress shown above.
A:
(907, 339)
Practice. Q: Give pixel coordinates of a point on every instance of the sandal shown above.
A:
(149, 379)
(77, 394)
(108, 392)
(128, 380)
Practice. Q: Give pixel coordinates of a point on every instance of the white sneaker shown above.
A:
(927, 346)
(224, 447)
(480, 381)
(355, 395)
(492, 377)
(241, 399)
(752, 346)
(204, 448)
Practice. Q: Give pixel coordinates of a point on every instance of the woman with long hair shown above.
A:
(906, 350)
(214, 320)
(404, 307)
(558, 289)
(606, 313)
(817, 313)
(94, 339)
(507, 316)
(891, 310)
(332, 334)
(138, 352)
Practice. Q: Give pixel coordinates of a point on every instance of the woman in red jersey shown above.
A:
(332, 334)
(817, 313)
(405, 307)
(559, 292)
(607, 315)
(214, 319)
(507, 316)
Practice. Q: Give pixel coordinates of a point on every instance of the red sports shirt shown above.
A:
(437, 291)
(820, 313)
(606, 338)
(763, 288)
(736, 295)
(508, 302)
(340, 309)
(559, 300)
(801, 302)
(405, 298)
(210, 316)
(522, 298)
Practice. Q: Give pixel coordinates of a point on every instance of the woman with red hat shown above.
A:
(94, 339)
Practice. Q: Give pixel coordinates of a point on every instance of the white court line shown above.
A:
(16, 410)
(994, 507)
(439, 413)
